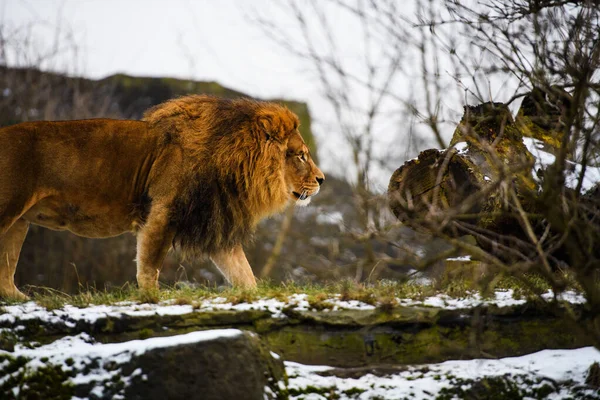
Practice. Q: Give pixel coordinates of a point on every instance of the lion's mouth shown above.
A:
(304, 195)
(301, 196)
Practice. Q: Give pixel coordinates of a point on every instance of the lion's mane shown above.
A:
(233, 167)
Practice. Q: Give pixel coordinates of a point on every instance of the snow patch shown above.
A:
(461, 258)
(500, 298)
(331, 218)
(418, 382)
(84, 344)
(461, 147)
(573, 171)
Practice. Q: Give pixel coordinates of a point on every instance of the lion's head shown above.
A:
(243, 160)
(280, 127)
(302, 175)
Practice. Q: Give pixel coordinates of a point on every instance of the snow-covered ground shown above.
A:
(561, 373)
(500, 298)
(564, 371)
(70, 315)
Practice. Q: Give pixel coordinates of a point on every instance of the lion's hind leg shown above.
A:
(10, 248)
(235, 267)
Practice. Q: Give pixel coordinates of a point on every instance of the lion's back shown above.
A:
(79, 147)
(98, 158)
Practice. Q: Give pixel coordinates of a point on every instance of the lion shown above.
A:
(196, 173)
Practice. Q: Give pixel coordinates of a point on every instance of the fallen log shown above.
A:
(465, 179)
(487, 181)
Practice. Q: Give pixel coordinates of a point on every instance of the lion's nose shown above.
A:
(320, 181)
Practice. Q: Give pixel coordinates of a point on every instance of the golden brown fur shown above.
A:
(198, 172)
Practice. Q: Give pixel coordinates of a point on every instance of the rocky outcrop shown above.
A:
(347, 337)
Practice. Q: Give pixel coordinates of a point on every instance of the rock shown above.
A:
(397, 335)
(593, 377)
(214, 364)
(237, 367)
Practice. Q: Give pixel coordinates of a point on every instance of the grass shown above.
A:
(382, 293)
(316, 294)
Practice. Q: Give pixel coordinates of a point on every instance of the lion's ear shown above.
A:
(270, 125)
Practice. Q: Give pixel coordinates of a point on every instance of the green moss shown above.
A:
(353, 392)
(146, 333)
(8, 340)
(498, 388)
(13, 363)
(530, 129)
(108, 326)
(359, 347)
(49, 382)
(319, 301)
(329, 392)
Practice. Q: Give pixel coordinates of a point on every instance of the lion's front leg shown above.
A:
(153, 243)
(235, 267)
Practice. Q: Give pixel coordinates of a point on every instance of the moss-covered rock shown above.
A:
(351, 338)
(422, 336)
(227, 364)
(45, 382)
(238, 367)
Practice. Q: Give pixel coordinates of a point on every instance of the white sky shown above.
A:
(204, 40)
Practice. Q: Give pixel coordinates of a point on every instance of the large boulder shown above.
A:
(225, 367)
(215, 364)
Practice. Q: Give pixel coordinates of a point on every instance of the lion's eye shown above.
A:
(302, 157)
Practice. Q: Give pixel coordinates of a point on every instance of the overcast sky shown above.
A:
(205, 40)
